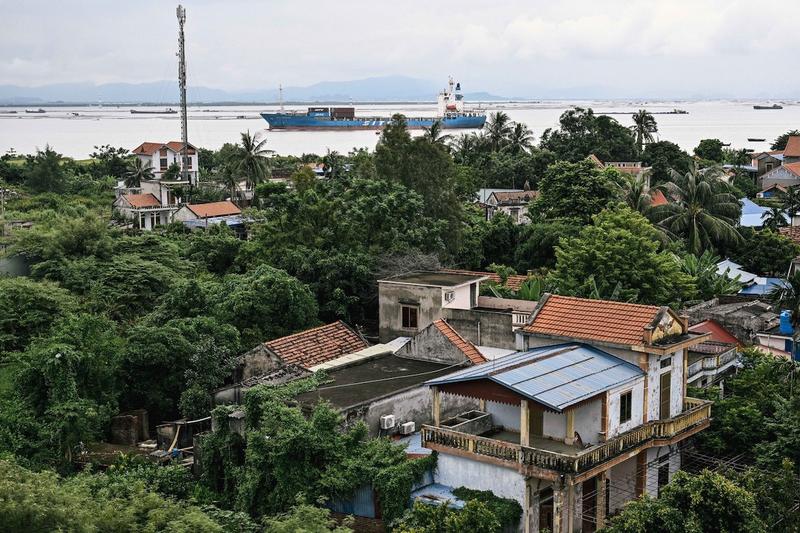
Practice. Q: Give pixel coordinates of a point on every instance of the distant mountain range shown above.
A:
(381, 89)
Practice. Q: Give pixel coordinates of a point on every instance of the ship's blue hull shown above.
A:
(287, 121)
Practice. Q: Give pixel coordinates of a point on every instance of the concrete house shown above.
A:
(513, 204)
(585, 417)
(408, 303)
(786, 175)
(206, 211)
(144, 210)
(710, 361)
(161, 155)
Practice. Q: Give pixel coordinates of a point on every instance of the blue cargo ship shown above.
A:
(450, 112)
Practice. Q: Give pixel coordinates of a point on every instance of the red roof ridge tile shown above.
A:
(466, 347)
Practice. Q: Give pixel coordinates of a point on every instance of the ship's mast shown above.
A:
(182, 86)
(280, 95)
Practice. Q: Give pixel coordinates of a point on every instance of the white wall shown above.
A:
(587, 421)
(457, 471)
(504, 415)
(622, 481)
(653, 463)
(461, 301)
(554, 425)
(637, 397)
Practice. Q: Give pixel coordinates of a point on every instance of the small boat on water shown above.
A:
(755, 140)
(168, 111)
(40, 110)
(773, 106)
(5, 112)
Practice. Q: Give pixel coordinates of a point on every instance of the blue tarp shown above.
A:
(752, 213)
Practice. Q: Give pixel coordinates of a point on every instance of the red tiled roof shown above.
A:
(775, 186)
(147, 148)
(602, 320)
(214, 209)
(513, 282)
(177, 146)
(793, 232)
(467, 348)
(317, 345)
(792, 147)
(142, 200)
(717, 330)
(794, 168)
(657, 198)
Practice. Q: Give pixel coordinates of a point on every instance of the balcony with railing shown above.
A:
(554, 457)
(702, 363)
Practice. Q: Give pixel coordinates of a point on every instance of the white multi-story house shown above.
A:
(586, 416)
(161, 155)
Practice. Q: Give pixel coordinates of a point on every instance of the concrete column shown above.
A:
(641, 472)
(558, 506)
(530, 511)
(482, 405)
(571, 506)
(524, 424)
(569, 437)
(600, 499)
(436, 405)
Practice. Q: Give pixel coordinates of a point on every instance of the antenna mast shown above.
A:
(181, 12)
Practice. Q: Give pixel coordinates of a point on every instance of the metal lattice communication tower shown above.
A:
(182, 86)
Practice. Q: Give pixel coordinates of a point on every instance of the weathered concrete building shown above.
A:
(411, 302)
(585, 418)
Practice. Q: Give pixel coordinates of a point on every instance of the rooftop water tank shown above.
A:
(786, 323)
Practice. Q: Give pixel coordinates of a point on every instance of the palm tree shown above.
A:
(138, 171)
(702, 210)
(332, 163)
(635, 193)
(434, 134)
(227, 178)
(498, 129)
(520, 139)
(791, 200)
(773, 218)
(252, 160)
(644, 126)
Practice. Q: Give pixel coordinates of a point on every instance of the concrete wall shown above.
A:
(622, 482)
(779, 176)
(504, 415)
(256, 362)
(431, 345)
(637, 408)
(412, 405)
(587, 421)
(654, 460)
(482, 327)
(554, 425)
(461, 298)
(391, 298)
(457, 471)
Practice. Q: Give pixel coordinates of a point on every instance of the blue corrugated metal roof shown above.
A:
(555, 376)
(764, 288)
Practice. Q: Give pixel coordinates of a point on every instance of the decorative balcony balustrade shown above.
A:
(695, 413)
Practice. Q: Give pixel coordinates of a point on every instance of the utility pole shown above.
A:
(182, 86)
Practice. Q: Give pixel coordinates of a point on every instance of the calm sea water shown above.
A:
(210, 127)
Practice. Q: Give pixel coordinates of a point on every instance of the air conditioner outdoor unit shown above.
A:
(387, 421)
(407, 428)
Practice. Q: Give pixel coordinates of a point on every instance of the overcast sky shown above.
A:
(513, 48)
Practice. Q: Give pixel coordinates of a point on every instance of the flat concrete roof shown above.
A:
(435, 279)
(373, 379)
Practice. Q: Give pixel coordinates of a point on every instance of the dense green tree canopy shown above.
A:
(582, 133)
(662, 157)
(710, 149)
(574, 190)
(617, 258)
